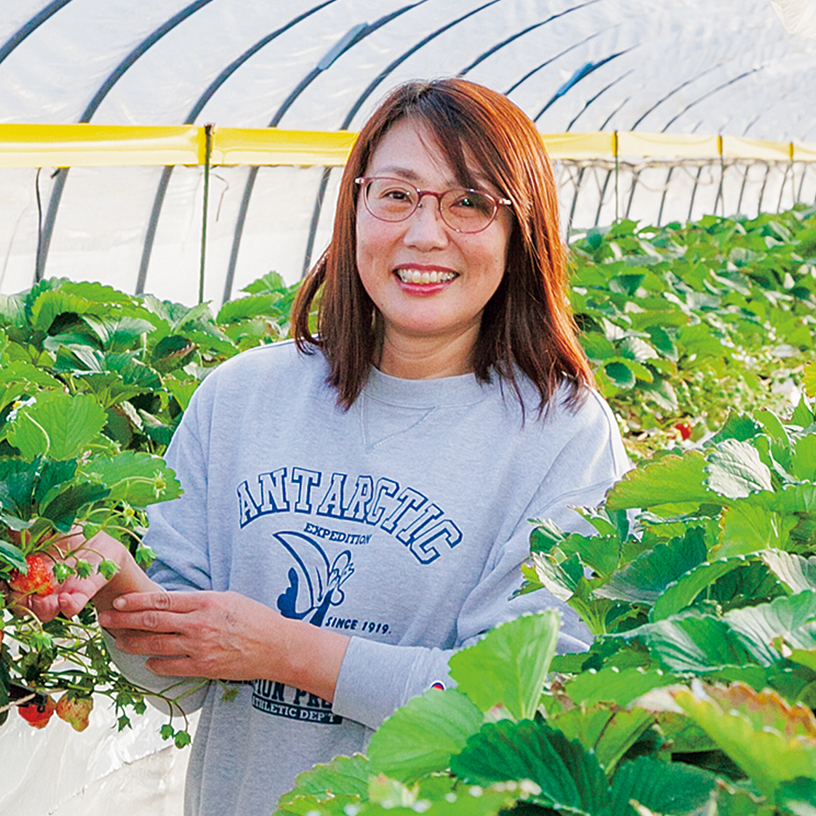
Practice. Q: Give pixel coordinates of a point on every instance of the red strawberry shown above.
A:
(39, 580)
(75, 711)
(38, 714)
(684, 428)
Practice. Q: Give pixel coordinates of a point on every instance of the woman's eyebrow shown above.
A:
(409, 175)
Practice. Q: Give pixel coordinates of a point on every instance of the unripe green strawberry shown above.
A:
(39, 580)
(75, 711)
(38, 714)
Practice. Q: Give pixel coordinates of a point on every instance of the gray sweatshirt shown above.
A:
(402, 522)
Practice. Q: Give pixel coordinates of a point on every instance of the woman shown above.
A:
(357, 502)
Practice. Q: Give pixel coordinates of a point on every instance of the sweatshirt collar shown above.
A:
(464, 388)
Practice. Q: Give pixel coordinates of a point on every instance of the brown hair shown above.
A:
(527, 325)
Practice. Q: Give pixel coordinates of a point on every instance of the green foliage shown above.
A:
(697, 584)
(683, 323)
(93, 383)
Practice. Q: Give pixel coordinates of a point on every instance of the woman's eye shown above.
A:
(396, 194)
(471, 201)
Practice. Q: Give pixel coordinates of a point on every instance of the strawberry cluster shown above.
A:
(70, 708)
(38, 579)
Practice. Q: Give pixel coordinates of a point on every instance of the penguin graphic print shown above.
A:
(315, 585)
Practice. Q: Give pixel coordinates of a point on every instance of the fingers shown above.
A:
(162, 601)
(153, 611)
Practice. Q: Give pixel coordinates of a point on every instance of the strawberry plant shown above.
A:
(92, 385)
(696, 695)
(684, 323)
(698, 585)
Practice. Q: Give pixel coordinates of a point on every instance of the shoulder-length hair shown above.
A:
(527, 325)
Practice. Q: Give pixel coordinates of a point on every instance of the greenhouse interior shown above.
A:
(186, 150)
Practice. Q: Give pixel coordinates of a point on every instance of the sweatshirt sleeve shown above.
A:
(188, 569)
(593, 461)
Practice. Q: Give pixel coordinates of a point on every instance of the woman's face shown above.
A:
(429, 282)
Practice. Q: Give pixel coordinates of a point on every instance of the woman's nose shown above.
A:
(426, 229)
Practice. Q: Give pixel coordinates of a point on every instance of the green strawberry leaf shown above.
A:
(58, 422)
(669, 480)
(509, 665)
(570, 778)
(670, 788)
(134, 477)
(346, 776)
(420, 737)
(735, 470)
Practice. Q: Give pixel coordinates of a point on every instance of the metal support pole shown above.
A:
(208, 131)
(617, 172)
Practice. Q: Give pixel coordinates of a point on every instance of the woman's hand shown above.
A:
(225, 636)
(71, 595)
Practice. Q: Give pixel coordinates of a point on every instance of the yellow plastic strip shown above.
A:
(804, 152)
(667, 145)
(84, 145)
(597, 145)
(289, 147)
(735, 147)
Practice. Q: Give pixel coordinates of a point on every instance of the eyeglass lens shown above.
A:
(463, 210)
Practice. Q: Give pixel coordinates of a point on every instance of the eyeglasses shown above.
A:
(390, 199)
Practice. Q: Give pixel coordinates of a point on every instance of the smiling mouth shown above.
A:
(415, 276)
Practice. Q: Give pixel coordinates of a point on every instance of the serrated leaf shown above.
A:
(266, 284)
(597, 347)
(12, 556)
(621, 374)
(134, 477)
(18, 481)
(646, 578)
(509, 665)
(342, 776)
(670, 480)
(739, 426)
(794, 571)
(570, 778)
(562, 580)
(665, 788)
(663, 342)
(757, 626)
(735, 470)
(635, 348)
(601, 553)
(747, 529)
(28, 436)
(681, 593)
(420, 737)
(609, 732)
(691, 643)
(463, 801)
(68, 422)
(251, 306)
(182, 391)
(770, 740)
(62, 510)
(613, 685)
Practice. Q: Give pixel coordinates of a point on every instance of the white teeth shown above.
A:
(415, 276)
